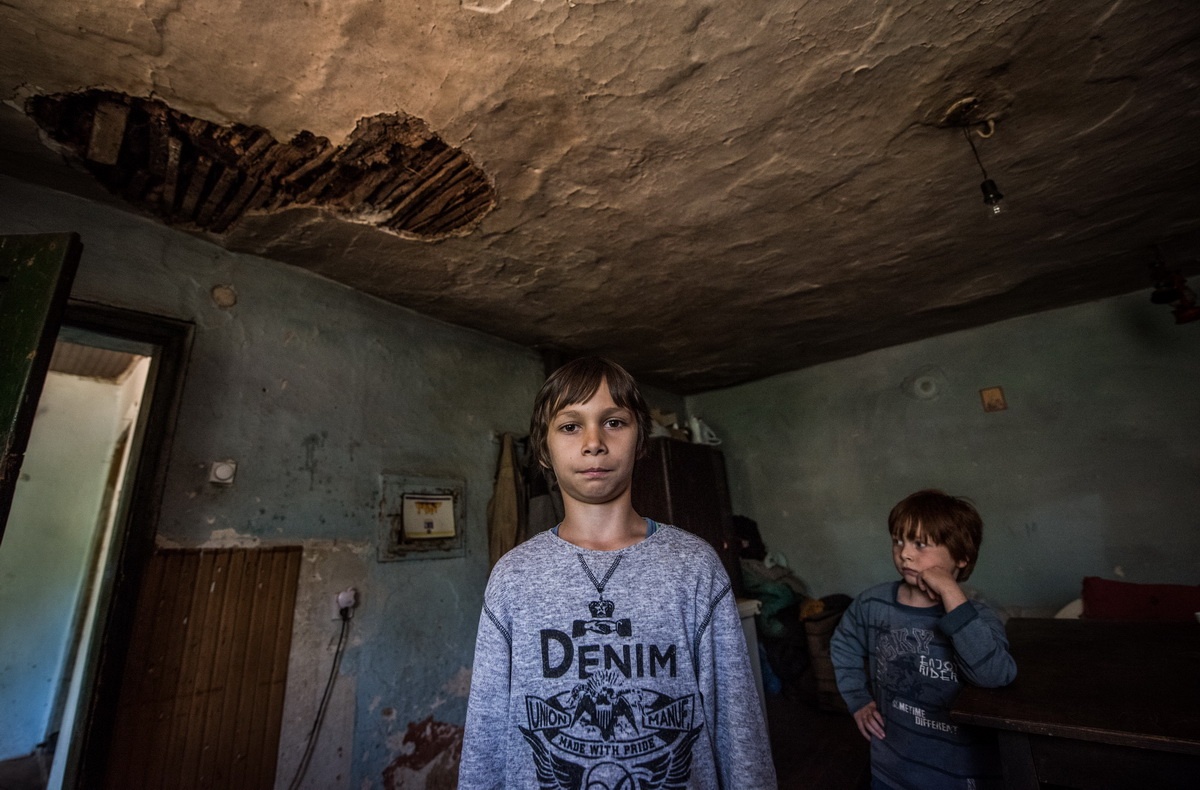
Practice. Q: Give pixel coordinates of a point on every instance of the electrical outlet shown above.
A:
(346, 599)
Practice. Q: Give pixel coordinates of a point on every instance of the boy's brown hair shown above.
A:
(576, 382)
(938, 518)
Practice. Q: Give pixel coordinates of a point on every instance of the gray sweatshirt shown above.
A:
(607, 669)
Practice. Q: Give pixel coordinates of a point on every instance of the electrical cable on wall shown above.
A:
(346, 601)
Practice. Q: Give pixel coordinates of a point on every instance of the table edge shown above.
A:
(1159, 743)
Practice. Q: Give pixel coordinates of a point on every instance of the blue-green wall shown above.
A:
(314, 389)
(1094, 468)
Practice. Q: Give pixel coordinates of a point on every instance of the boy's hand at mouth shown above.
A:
(941, 586)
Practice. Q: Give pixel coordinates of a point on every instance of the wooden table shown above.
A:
(1096, 704)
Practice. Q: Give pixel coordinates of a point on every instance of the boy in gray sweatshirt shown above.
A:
(610, 653)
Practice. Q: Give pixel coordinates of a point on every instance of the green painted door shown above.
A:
(35, 279)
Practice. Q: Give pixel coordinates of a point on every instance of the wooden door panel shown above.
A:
(201, 702)
(36, 273)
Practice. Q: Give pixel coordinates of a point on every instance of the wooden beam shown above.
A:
(108, 132)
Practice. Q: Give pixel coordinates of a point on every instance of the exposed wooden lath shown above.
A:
(89, 362)
(202, 697)
(392, 171)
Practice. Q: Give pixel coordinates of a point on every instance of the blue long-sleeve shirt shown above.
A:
(912, 661)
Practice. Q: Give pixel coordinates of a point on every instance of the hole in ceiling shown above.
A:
(970, 109)
(963, 112)
(392, 171)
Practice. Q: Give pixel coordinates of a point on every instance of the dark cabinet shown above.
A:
(684, 484)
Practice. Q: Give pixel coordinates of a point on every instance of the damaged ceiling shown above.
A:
(708, 192)
(391, 172)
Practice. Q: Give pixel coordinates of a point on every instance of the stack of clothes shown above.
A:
(794, 628)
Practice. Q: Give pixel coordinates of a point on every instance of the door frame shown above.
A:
(134, 534)
(34, 298)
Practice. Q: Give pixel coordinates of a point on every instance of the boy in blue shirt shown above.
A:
(904, 649)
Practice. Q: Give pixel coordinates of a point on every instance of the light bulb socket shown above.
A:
(991, 192)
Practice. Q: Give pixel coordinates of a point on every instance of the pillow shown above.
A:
(1105, 599)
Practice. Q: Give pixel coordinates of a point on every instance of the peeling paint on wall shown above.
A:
(430, 760)
(217, 539)
(818, 457)
(311, 443)
(361, 371)
(494, 7)
(460, 684)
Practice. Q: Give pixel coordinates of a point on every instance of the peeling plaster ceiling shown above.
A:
(391, 172)
(709, 192)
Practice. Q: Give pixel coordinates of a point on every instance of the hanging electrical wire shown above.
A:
(346, 613)
(991, 192)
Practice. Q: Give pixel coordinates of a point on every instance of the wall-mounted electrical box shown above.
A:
(428, 516)
(421, 517)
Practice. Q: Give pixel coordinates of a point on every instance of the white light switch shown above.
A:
(222, 472)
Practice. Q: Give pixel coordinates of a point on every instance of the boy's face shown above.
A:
(914, 556)
(592, 448)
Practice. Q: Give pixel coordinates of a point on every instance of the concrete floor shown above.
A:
(815, 748)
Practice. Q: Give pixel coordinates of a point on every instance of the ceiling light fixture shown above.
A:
(991, 192)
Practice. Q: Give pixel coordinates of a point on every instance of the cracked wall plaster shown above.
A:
(428, 759)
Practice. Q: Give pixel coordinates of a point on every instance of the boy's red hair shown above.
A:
(936, 517)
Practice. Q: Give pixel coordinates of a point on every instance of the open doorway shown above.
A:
(57, 540)
(81, 527)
